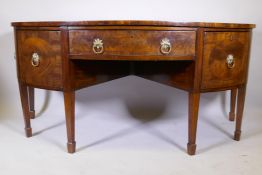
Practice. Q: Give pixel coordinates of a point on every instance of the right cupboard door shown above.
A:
(225, 59)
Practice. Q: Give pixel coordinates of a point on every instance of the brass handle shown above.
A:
(165, 47)
(35, 61)
(230, 61)
(98, 47)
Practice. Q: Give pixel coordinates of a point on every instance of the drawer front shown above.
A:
(225, 59)
(39, 58)
(132, 43)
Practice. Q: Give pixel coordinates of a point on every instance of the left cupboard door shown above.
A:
(39, 58)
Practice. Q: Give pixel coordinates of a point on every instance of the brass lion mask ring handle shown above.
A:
(230, 61)
(35, 60)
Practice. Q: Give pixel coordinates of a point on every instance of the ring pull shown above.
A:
(230, 61)
(165, 47)
(98, 47)
(35, 61)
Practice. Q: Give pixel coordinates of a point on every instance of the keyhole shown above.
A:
(231, 38)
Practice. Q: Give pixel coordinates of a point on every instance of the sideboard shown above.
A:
(194, 56)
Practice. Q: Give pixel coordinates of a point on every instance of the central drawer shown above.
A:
(132, 44)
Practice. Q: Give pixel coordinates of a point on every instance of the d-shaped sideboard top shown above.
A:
(193, 56)
(133, 23)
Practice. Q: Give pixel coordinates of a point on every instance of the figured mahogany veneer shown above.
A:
(195, 57)
(48, 44)
(217, 46)
(132, 44)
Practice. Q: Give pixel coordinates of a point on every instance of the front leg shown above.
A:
(25, 105)
(69, 100)
(192, 121)
(240, 109)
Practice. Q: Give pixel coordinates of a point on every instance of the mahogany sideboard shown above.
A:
(194, 56)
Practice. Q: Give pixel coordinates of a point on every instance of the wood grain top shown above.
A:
(132, 23)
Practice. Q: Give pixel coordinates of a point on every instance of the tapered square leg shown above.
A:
(232, 104)
(25, 105)
(192, 121)
(31, 92)
(240, 109)
(69, 100)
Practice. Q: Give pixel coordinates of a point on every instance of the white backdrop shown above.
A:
(238, 11)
